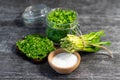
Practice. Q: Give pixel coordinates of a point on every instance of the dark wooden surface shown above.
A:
(94, 15)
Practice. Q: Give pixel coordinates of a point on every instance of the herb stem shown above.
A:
(103, 47)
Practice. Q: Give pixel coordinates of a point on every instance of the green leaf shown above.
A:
(103, 43)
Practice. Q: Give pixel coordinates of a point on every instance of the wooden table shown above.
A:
(94, 15)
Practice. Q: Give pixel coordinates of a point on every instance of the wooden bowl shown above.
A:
(60, 69)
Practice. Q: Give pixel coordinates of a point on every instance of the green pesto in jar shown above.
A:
(60, 23)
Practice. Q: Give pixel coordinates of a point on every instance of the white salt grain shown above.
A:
(64, 60)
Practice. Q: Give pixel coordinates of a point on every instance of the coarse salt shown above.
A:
(64, 60)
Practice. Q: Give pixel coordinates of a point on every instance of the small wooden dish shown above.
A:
(59, 69)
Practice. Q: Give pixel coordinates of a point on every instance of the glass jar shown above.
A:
(35, 14)
(56, 31)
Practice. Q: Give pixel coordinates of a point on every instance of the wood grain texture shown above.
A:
(94, 15)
